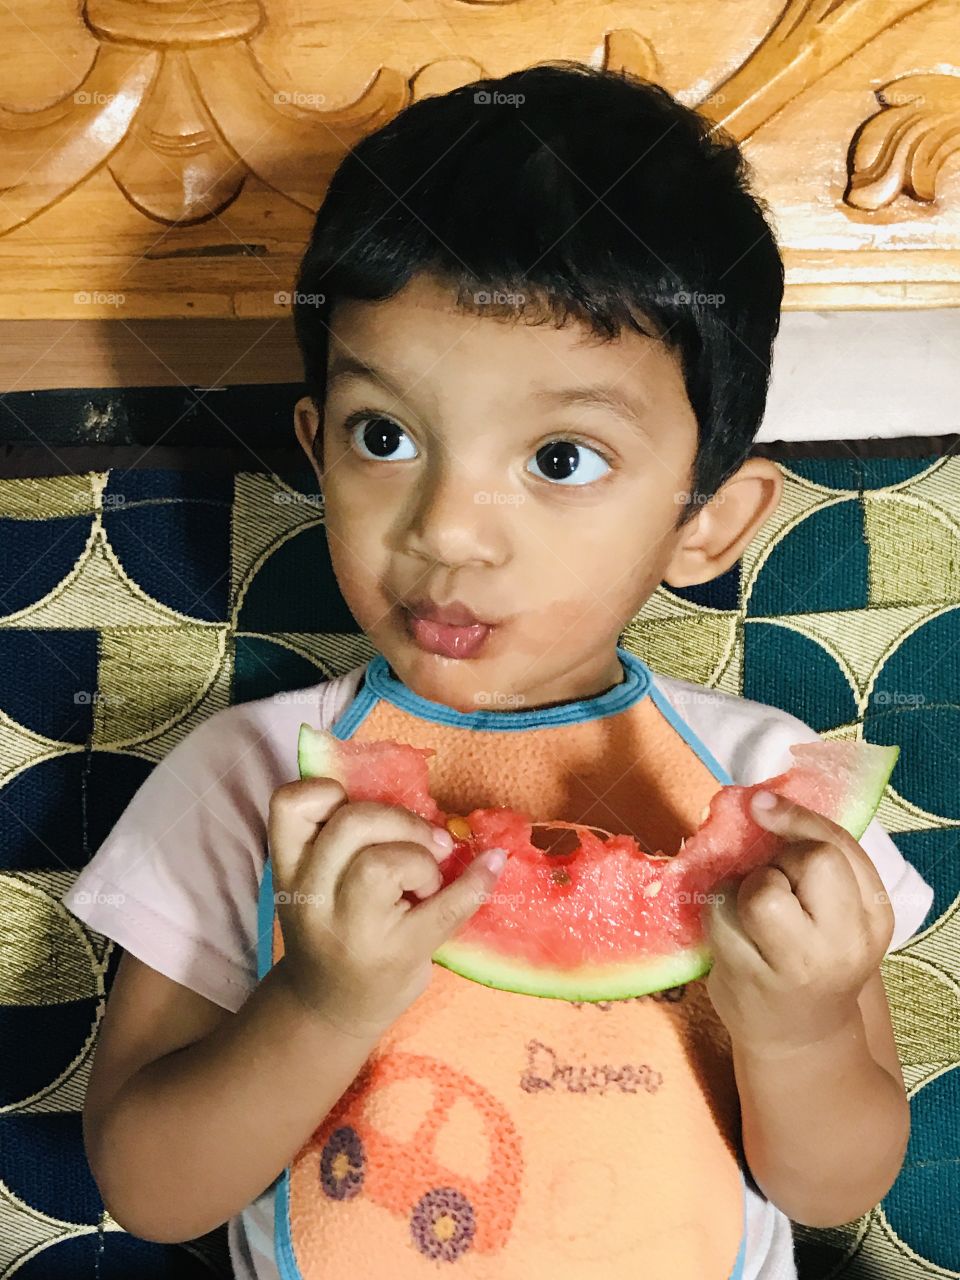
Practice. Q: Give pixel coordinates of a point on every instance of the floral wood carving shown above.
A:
(177, 106)
(179, 114)
(808, 40)
(906, 144)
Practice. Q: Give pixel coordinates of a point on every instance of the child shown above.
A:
(536, 317)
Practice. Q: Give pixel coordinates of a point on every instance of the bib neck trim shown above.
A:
(379, 682)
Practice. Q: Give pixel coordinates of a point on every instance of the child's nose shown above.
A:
(455, 519)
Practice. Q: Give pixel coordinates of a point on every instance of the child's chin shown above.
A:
(453, 681)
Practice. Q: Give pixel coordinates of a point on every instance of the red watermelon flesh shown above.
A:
(592, 916)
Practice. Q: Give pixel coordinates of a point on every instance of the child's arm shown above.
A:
(825, 1126)
(796, 980)
(192, 1111)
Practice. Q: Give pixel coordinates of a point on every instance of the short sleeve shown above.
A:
(177, 879)
(752, 741)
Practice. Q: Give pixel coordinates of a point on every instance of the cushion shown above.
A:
(148, 582)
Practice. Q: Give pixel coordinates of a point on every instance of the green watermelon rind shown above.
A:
(651, 974)
(865, 799)
(590, 983)
(317, 756)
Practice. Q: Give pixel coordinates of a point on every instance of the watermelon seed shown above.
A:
(559, 876)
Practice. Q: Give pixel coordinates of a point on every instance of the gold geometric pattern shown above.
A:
(161, 671)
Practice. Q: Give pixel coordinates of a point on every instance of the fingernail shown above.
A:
(764, 800)
(494, 859)
(442, 838)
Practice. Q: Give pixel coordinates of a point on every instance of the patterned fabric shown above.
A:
(135, 603)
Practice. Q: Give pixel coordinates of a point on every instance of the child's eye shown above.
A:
(379, 436)
(563, 459)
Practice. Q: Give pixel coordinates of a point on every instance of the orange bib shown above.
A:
(512, 1137)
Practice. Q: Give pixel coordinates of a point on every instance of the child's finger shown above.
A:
(438, 917)
(794, 822)
(823, 882)
(352, 828)
(376, 879)
(771, 915)
(726, 935)
(296, 811)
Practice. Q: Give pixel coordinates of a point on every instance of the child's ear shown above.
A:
(715, 537)
(306, 424)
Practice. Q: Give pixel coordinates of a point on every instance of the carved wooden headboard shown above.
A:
(161, 159)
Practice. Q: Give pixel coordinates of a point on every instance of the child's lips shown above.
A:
(446, 640)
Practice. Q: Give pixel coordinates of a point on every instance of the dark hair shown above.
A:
(593, 194)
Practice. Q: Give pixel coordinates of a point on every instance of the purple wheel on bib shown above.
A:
(342, 1164)
(442, 1224)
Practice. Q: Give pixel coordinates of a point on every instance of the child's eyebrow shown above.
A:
(347, 366)
(624, 407)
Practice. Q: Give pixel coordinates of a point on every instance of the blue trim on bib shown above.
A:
(282, 1237)
(379, 683)
(360, 706)
(740, 1260)
(265, 910)
(689, 737)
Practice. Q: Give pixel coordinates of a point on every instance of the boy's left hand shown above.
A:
(795, 943)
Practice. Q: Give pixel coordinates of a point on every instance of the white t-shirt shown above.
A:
(176, 881)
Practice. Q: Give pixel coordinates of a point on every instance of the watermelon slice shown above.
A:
(579, 913)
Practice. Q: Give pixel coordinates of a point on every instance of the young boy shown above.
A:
(536, 318)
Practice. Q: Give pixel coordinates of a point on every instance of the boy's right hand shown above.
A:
(355, 950)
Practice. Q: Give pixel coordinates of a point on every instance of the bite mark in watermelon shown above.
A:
(599, 919)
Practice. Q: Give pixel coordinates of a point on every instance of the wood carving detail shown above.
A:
(178, 109)
(808, 40)
(905, 145)
(177, 105)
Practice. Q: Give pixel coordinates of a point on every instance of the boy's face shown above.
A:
(433, 488)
